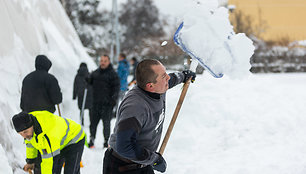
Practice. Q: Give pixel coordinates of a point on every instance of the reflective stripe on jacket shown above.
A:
(55, 134)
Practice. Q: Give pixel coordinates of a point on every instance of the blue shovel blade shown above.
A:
(178, 41)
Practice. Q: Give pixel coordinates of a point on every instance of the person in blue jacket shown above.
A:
(123, 73)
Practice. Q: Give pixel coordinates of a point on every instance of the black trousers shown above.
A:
(111, 165)
(72, 156)
(99, 112)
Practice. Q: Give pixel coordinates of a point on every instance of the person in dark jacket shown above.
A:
(40, 90)
(138, 128)
(79, 87)
(105, 83)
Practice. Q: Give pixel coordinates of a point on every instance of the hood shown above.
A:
(83, 71)
(42, 63)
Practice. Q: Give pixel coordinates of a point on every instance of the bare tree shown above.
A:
(142, 23)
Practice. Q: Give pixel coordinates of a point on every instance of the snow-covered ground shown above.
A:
(251, 126)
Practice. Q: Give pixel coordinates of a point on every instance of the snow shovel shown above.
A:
(83, 107)
(82, 119)
(178, 41)
(193, 66)
(59, 111)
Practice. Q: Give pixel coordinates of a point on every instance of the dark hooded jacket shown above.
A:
(79, 86)
(40, 90)
(106, 86)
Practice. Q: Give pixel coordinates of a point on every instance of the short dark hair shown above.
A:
(144, 72)
(122, 55)
(134, 59)
(105, 55)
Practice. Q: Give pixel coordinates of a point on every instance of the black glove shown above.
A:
(160, 164)
(188, 74)
(88, 80)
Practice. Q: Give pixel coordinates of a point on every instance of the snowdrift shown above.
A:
(29, 28)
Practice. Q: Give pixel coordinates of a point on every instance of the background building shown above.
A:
(283, 18)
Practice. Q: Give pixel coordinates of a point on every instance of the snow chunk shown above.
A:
(208, 34)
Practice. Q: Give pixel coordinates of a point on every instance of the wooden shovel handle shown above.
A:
(174, 117)
(59, 111)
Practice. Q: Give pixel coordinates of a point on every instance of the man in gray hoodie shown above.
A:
(140, 119)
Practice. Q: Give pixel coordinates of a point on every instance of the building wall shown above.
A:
(285, 18)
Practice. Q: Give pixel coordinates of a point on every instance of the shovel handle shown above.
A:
(174, 117)
(30, 171)
(59, 111)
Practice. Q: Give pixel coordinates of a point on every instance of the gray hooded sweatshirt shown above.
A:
(139, 123)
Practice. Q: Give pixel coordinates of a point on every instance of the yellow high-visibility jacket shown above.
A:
(51, 134)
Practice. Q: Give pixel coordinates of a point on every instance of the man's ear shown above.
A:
(149, 86)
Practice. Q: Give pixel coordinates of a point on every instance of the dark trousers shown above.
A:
(99, 112)
(37, 169)
(72, 156)
(111, 165)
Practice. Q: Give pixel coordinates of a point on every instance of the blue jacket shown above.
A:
(123, 73)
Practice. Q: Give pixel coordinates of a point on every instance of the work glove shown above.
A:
(160, 164)
(88, 80)
(188, 74)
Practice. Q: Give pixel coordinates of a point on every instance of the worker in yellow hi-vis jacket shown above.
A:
(57, 139)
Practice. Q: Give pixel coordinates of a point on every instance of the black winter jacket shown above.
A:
(106, 86)
(79, 86)
(40, 90)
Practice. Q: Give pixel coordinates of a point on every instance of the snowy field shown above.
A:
(252, 126)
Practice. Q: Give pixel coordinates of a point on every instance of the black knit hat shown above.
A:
(22, 121)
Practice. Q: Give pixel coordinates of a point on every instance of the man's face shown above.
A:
(28, 133)
(161, 85)
(104, 62)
